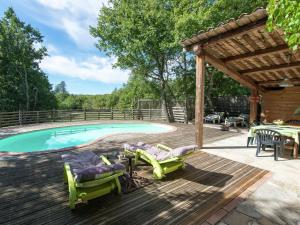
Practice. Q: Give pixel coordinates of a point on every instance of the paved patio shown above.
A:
(32, 191)
(276, 201)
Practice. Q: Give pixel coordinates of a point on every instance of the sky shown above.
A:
(73, 56)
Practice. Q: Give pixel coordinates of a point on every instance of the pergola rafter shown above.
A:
(271, 68)
(258, 53)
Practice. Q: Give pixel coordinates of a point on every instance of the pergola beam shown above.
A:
(271, 68)
(258, 53)
(259, 24)
(220, 65)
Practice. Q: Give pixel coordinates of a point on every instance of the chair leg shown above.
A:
(157, 171)
(136, 159)
(249, 140)
(281, 150)
(118, 185)
(258, 148)
(183, 165)
(276, 152)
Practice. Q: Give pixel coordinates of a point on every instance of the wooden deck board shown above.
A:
(32, 189)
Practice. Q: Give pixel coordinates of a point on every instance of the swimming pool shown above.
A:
(64, 137)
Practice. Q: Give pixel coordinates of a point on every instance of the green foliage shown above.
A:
(23, 85)
(136, 88)
(225, 86)
(126, 97)
(145, 35)
(203, 14)
(61, 88)
(285, 15)
(140, 34)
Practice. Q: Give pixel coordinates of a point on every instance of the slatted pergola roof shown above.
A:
(244, 50)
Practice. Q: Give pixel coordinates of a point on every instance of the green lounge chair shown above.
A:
(89, 176)
(163, 159)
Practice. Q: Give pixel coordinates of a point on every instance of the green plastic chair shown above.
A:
(82, 192)
(160, 168)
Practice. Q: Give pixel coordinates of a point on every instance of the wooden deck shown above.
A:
(32, 191)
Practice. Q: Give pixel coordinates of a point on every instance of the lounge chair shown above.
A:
(89, 176)
(163, 159)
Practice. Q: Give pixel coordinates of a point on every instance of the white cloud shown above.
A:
(78, 33)
(71, 16)
(93, 68)
(51, 49)
(55, 4)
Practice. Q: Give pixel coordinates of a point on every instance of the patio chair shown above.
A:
(163, 159)
(270, 138)
(246, 117)
(89, 176)
(216, 117)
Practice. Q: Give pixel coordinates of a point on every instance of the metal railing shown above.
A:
(32, 117)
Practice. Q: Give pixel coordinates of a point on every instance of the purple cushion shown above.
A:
(134, 147)
(130, 147)
(159, 154)
(183, 150)
(91, 173)
(162, 155)
(82, 157)
(87, 166)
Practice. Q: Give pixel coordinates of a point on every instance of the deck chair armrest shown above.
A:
(163, 147)
(157, 169)
(105, 160)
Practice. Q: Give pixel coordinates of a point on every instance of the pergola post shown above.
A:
(199, 103)
(253, 106)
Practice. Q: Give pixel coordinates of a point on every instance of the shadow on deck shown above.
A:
(33, 192)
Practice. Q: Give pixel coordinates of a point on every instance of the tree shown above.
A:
(145, 35)
(285, 15)
(136, 88)
(193, 16)
(20, 74)
(61, 88)
(140, 35)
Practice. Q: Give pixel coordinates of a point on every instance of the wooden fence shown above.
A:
(180, 114)
(32, 117)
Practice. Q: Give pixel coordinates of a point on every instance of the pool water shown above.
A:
(63, 137)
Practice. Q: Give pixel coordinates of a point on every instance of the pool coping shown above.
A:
(40, 152)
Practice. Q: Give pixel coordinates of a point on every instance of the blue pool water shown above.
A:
(63, 137)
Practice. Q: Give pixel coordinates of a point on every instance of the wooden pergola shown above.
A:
(260, 60)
